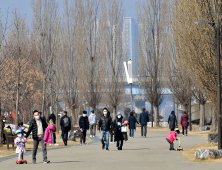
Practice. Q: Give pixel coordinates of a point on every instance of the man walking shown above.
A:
(105, 124)
(92, 123)
(84, 126)
(65, 124)
(37, 127)
(144, 118)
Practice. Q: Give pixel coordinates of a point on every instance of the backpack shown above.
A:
(66, 122)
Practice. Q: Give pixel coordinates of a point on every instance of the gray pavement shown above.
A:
(138, 153)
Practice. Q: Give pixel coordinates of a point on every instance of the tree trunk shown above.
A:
(43, 96)
(185, 108)
(156, 116)
(1, 133)
(202, 114)
(114, 112)
(177, 111)
(213, 124)
(17, 98)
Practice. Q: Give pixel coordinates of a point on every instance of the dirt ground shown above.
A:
(29, 145)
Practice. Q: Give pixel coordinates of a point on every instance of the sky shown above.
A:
(24, 7)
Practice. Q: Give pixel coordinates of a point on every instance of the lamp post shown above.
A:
(218, 78)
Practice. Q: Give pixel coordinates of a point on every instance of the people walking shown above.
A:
(92, 123)
(105, 123)
(48, 136)
(37, 127)
(52, 117)
(172, 121)
(3, 131)
(65, 124)
(84, 126)
(184, 122)
(144, 118)
(118, 131)
(132, 124)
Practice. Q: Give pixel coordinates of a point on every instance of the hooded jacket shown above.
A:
(172, 136)
(48, 134)
(84, 122)
(105, 123)
(184, 120)
(62, 123)
(92, 119)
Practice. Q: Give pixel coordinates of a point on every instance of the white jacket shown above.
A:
(92, 119)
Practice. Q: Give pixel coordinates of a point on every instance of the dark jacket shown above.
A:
(34, 129)
(172, 120)
(144, 118)
(132, 122)
(115, 129)
(184, 120)
(53, 117)
(62, 122)
(105, 123)
(3, 125)
(84, 122)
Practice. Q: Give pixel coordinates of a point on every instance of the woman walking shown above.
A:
(132, 124)
(172, 121)
(184, 122)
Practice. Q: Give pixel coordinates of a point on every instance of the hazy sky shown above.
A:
(24, 6)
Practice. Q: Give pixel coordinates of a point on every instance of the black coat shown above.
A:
(34, 129)
(62, 122)
(172, 121)
(53, 117)
(84, 122)
(132, 121)
(3, 125)
(144, 118)
(115, 129)
(105, 123)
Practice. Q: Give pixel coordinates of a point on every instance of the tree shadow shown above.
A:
(65, 162)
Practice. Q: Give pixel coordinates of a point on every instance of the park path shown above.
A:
(138, 153)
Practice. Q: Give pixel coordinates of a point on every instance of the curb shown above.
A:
(94, 140)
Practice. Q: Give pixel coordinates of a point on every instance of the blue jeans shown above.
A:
(131, 132)
(102, 133)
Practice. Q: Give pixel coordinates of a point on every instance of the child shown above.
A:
(20, 142)
(171, 137)
(48, 132)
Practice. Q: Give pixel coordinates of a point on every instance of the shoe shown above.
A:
(118, 148)
(51, 144)
(46, 161)
(80, 143)
(107, 149)
(33, 162)
(56, 144)
(65, 144)
(85, 143)
(103, 147)
(112, 142)
(24, 161)
(90, 136)
(93, 136)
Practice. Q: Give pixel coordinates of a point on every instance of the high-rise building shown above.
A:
(129, 41)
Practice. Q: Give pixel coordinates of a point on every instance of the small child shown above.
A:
(171, 137)
(20, 142)
(48, 132)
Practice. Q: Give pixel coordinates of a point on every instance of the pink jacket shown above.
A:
(48, 135)
(172, 136)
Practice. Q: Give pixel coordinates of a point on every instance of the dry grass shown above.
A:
(29, 146)
(189, 153)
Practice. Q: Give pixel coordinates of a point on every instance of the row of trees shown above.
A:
(173, 52)
(72, 56)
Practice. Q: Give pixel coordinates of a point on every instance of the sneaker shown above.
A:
(93, 136)
(85, 143)
(90, 136)
(112, 142)
(65, 144)
(107, 149)
(33, 162)
(186, 134)
(46, 161)
(103, 147)
(56, 144)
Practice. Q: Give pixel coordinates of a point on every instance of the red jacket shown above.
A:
(184, 120)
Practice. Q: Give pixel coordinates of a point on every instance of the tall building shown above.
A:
(129, 41)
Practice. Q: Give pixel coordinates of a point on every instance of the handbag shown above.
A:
(124, 129)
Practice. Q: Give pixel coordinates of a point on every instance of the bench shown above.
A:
(9, 140)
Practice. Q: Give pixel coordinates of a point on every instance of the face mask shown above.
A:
(20, 135)
(37, 117)
(105, 113)
(119, 116)
(3, 120)
(84, 115)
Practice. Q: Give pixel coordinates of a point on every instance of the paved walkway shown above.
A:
(138, 153)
